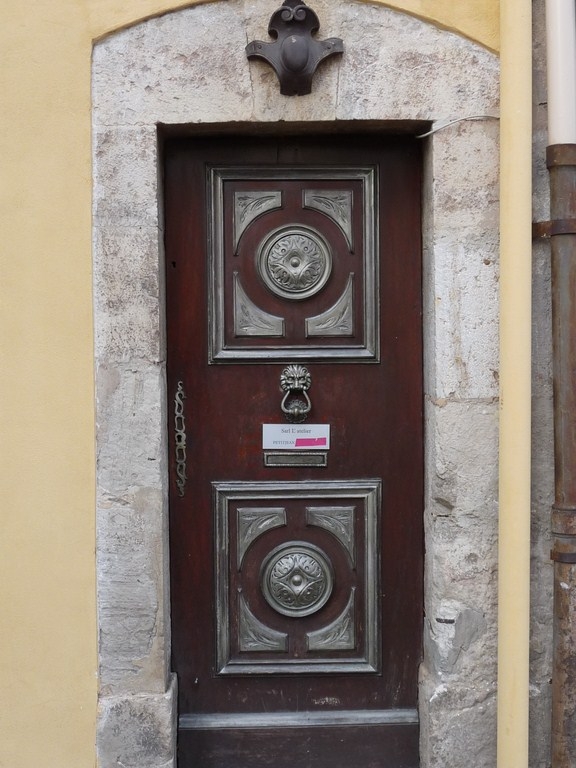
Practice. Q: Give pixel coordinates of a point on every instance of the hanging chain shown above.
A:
(180, 438)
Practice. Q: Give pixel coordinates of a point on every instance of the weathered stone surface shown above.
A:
(398, 65)
(461, 262)
(458, 677)
(388, 56)
(126, 175)
(133, 607)
(128, 296)
(466, 194)
(462, 467)
(461, 535)
(466, 738)
(131, 401)
(132, 528)
(183, 51)
(138, 731)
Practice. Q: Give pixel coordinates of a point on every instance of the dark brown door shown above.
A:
(295, 383)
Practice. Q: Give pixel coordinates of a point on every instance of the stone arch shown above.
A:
(396, 70)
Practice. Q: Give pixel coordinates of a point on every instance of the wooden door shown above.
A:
(293, 276)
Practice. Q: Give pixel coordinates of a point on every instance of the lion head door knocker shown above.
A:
(294, 54)
(295, 381)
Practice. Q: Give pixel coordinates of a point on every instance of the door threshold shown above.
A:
(297, 719)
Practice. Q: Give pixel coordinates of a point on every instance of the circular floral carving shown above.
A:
(297, 579)
(294, 262)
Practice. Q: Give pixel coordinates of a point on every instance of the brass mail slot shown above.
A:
(296, 459)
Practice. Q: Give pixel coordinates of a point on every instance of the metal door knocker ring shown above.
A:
(295, 381)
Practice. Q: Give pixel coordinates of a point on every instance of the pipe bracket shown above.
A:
(551, 228)
(560, 154)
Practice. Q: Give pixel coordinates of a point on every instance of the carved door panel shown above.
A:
(294, 372)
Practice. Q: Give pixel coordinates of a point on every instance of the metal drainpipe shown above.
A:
(561, 159)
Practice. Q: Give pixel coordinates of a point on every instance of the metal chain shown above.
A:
(180, 438)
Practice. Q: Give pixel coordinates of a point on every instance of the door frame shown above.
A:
(136, 724)
(383, 515)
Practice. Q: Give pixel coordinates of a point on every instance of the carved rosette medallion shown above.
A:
(297, 579)
(294, 262)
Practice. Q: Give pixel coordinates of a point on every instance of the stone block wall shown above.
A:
(395, 68)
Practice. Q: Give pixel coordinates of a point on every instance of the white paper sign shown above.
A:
(295, 437)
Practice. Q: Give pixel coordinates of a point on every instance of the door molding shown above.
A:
(398, 71)
(368, 492)
(222, 349)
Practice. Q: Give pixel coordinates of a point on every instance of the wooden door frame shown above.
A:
(382, 176)
(137, 692)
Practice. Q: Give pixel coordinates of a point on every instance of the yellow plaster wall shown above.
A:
(47, 584)
(476, 19)
(47, 538)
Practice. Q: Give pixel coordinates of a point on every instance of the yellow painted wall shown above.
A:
(476, 19)
(47, 567)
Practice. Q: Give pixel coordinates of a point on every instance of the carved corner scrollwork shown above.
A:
(249, 319)
(339, 521)
(253, 522)
(253, 635)
(338, 320)
(340, 635)
(337, 204)
(248, 206)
